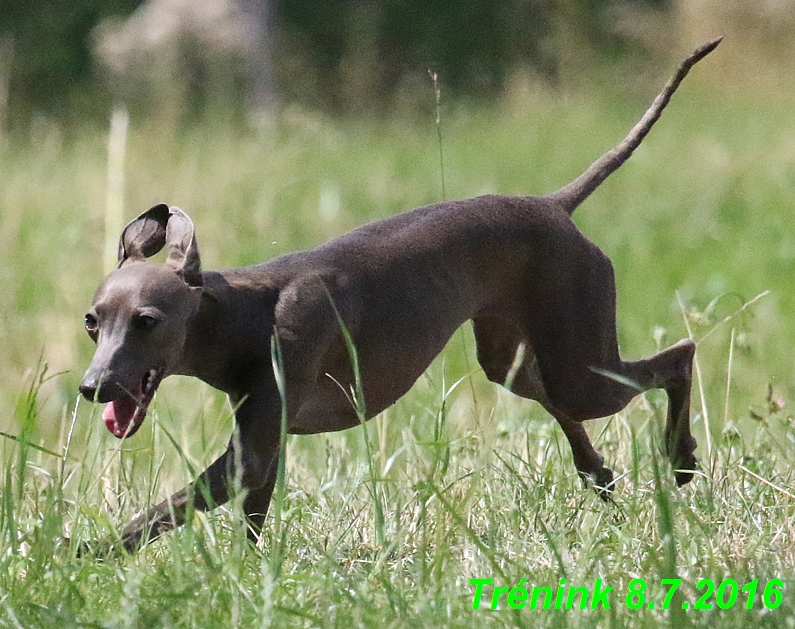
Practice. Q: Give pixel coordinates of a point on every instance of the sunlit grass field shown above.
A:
(473, 483)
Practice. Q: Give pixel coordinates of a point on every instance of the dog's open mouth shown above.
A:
(124, 416)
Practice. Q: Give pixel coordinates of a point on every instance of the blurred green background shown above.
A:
(277, 125)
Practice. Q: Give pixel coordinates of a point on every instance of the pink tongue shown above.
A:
(118, 415)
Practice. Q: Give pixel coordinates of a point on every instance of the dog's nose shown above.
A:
(88, 388)
(95, 391)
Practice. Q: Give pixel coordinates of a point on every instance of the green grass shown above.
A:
(468, 486)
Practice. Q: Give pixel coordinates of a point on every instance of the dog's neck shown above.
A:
(221, 342)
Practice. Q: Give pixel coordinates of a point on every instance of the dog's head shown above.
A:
(139, 316)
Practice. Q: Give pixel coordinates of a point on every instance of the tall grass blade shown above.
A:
(666, 531)
(729, 378)
(437, 91)
(30, 444)
(359, 405)
(700, 382)
(279, 489)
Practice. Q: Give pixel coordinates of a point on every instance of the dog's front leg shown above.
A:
(258, 500)
(251, 458)
(207, 491)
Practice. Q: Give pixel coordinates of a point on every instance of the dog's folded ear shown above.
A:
(183, 252)
(158, 227)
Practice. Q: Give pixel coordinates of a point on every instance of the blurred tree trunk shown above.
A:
(6, 60)
(259, 60)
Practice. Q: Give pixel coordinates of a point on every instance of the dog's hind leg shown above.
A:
(507, 359)
(672, 370)
(574, 339)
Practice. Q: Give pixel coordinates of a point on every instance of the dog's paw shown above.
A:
(685, 462)
(683, 470)
(602, 482)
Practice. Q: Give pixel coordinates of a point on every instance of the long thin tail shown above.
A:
(571, 195)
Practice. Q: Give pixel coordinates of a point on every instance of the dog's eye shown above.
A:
(92, 326)
(144, 322)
